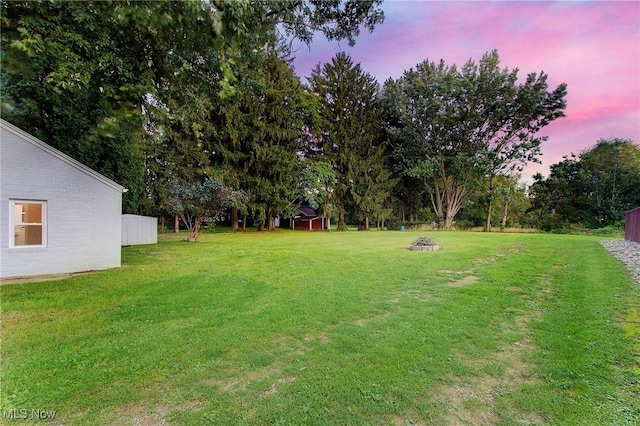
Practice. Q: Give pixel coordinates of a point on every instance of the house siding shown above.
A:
(632, 225)
(83, 214)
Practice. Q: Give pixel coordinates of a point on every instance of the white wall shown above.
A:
(83, 220)
(139, 230)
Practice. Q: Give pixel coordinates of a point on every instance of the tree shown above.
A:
(318, 182)
(350, 134)
(611, 178)
(591, 190)
(512, 199)
(426, 128)
(197, 203)
(451, 127)
(373, 187)
(85, 76)
(556, 201)
(505, 117)
(79, 76)
(259, 138)
(175, 153)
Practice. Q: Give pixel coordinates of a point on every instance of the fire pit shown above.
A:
(424, 244)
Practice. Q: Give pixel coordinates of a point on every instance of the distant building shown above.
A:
(307, 219)
(632, 225)
(56, 215)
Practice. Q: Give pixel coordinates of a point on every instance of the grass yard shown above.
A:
(330, 329)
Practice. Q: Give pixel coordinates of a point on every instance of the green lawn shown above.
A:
(330, 328)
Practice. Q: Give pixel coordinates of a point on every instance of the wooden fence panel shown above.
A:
(632, 225)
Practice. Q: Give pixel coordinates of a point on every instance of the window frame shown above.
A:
(13, 223)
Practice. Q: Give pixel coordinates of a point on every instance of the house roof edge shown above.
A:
(60, 155)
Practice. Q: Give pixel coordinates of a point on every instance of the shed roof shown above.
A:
(307, 211)
(60, 155)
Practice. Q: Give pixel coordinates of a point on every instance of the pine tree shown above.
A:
(350, 134)
(260, 140)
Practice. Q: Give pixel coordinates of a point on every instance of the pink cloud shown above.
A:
(594, 47)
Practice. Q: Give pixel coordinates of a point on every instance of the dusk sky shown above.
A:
(594, 47)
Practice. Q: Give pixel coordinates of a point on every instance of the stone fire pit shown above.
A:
(424, 244)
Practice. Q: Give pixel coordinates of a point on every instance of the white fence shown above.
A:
(139, 230)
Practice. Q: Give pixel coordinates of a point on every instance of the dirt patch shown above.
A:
(468, 280)
(364, 321)
(499, 256)
(469, 404)
(276, 386)
(41, 278)
(138, 416)
(321, 337)
(416, 294)
(141, 415)
(241, 381)
(471, 400)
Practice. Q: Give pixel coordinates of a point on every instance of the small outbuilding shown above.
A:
(632, 225)
(57, 215)
(307, 219)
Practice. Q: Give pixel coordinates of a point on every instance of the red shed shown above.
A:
(306, 220)
(632, 225)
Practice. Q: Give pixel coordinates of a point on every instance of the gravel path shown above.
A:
(628, 252)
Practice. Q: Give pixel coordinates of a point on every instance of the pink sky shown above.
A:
(594, 47)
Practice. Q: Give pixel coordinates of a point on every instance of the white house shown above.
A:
(56, 215)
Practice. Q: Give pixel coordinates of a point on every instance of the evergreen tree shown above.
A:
(350, 135)
(258, 142)
(84, 77)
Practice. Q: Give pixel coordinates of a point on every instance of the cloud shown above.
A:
(593, 47)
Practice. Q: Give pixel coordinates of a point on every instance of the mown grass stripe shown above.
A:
(330, 328)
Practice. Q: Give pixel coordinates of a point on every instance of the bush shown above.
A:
(609, 231)
(411, 225)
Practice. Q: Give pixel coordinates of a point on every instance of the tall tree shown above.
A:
(505, 116)
(350, 135)
(373, 187)
(83, 76)
(274, 163)
(557, 200)
(453, 126)
(427, 133)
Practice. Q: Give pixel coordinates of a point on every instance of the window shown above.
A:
(28, 223)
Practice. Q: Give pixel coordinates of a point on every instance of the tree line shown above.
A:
(592, 190)
(174, 99)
